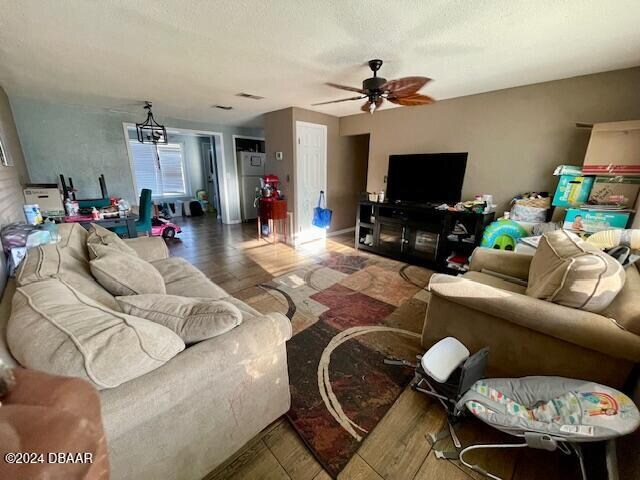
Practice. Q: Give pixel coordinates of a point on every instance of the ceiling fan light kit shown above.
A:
(402, 91)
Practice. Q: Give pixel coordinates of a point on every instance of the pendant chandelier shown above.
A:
(151, 131)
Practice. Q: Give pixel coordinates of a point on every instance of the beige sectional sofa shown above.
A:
(178, 420)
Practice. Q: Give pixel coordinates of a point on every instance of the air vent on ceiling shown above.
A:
(223, 107)
(248, 95)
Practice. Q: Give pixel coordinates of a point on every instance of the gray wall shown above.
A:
(514, 137)
(83, 142)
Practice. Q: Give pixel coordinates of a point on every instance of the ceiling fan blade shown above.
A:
(366, 107)
(338, 101)
(405, 85)
(411, 100)
(345, 87)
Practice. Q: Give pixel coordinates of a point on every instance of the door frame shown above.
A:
(235, 164)
(296, 233)
(205, 169)
(220, 166)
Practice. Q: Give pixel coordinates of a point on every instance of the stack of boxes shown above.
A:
(601, 194)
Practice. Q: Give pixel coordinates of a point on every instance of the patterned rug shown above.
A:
(348, 313)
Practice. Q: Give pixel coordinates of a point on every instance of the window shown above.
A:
(165, 178)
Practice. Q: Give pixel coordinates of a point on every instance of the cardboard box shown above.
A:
(47, 197)
(592, 221)
(572, 191)
(615, 191)
(574, 170)
(614, 149)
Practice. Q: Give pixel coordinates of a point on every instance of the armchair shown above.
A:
(488, 307)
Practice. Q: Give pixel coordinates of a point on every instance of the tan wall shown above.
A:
(514, 137)
(11, 178)
(346, 161)
(278, 134)
(347, 179)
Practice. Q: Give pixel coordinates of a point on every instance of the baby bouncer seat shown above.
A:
(545, 412)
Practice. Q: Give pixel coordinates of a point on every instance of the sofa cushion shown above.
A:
(570, 272)
(182, 278)
(625, 308)
(494, 281)
(194, 319)
(57, 329)
(57, 261)
(73, 237)
(124, 274)
(98, 235)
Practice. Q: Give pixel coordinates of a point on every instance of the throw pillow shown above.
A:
(101, 236)
(121, 273)
(58, 330)
(568, 271)
(57, 261)
(194, 319)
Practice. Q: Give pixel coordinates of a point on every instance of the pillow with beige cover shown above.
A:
(101, 236)
(194, 319)
(625, 308)
(58, 330)
(54, 260)
(121, 273)
(570, 272)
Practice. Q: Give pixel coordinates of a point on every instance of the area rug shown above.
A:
(348, 313)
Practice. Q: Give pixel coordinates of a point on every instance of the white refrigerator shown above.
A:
(252, 169)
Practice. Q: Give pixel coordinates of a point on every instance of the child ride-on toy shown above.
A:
(164, 228)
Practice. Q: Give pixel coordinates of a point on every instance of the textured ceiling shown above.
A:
(187, 55)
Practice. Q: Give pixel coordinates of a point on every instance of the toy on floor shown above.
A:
(548, 413)
(164, 228)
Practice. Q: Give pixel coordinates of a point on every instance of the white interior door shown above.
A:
(310, 178)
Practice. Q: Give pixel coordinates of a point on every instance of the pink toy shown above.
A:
(164, 228)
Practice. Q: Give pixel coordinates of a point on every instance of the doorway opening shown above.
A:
(189, 168)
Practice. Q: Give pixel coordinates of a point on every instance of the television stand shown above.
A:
(418, 233)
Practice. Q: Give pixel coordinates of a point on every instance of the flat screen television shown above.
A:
(426, 177)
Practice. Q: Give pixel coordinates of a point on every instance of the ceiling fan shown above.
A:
(402, 91)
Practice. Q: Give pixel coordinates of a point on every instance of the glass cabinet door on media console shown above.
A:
(391, 237)
(423, 243)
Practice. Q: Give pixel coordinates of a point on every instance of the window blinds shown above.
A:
(166, 179)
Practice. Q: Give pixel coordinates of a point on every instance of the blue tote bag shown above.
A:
(321, 214)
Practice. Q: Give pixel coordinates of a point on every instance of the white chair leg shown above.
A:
(612, 459)
(480, 470)
(578, 451)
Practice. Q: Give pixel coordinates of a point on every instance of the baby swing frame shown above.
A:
(449, 392)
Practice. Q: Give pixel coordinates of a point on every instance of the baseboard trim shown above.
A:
(340, 232)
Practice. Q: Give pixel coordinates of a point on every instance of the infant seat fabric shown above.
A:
(574, 410)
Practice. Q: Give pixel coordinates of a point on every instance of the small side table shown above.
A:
(273, 212)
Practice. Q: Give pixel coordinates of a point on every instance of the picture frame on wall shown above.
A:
(4, 160)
